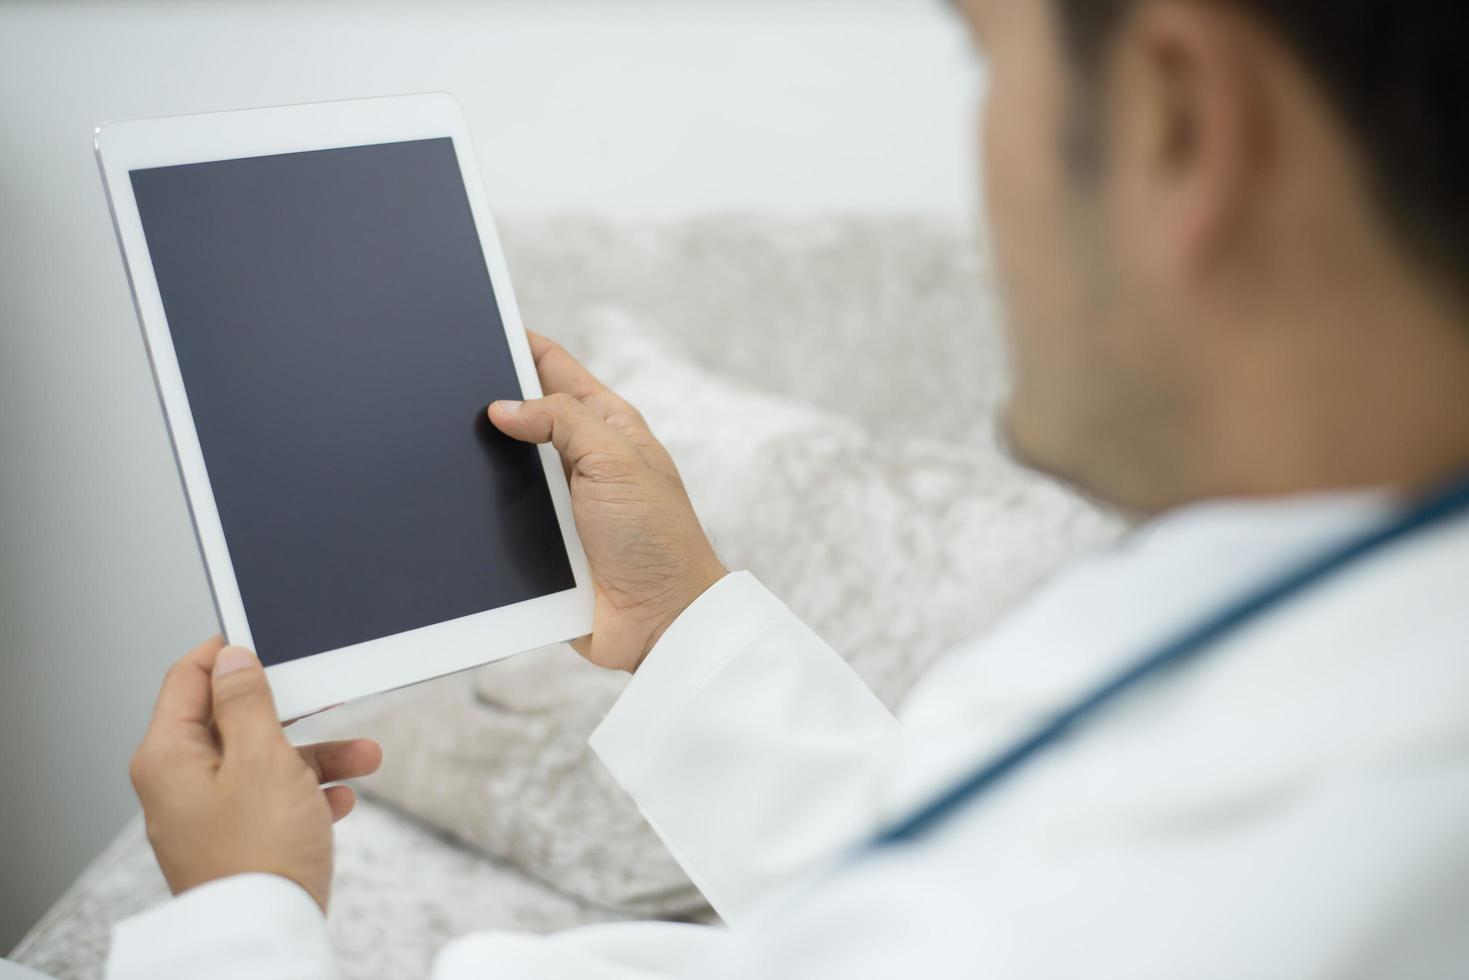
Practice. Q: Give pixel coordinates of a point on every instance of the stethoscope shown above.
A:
(1432, 511)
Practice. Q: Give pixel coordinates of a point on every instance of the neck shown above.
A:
(1371, 394)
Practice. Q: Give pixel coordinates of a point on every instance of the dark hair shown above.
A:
(1397, 72)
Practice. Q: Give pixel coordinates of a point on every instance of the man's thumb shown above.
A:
(244, 710)
(521, 420)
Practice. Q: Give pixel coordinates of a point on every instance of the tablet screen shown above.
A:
(339, 342)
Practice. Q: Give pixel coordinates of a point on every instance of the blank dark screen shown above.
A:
(339, 340)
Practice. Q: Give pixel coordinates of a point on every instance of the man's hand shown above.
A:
(649, 557)
(225, 793)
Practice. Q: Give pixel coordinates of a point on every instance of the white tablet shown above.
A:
(328, 316)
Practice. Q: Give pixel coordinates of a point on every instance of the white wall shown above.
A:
(617, 105)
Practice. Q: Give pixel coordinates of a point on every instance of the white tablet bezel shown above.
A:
(312, 683)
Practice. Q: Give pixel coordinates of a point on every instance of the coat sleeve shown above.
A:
(247, 927)
(748, 744)
(264, 927)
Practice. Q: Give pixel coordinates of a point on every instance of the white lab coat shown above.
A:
(1295, 804)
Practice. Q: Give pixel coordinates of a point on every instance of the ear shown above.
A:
(1190, 132)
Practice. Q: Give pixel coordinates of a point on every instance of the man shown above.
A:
(1234, 237)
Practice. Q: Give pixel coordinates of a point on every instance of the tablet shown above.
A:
(328, 315)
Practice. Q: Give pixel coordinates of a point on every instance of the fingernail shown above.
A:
(509, 407)
(231, 659)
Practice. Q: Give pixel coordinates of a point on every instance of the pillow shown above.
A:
(868, 316)
(892, 550)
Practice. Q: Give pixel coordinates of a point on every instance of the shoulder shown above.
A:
(1365, 674)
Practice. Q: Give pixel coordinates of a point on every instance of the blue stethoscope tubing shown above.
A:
(1432, 511)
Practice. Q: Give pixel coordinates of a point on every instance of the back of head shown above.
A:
(1397, 73)
(1234, 240)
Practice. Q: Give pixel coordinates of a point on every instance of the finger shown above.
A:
(620, 414)
(341, 799)
(335, 761)
(583, 439)
(184, 705)
(244, 711)
(562, 373)
(559, 371)
(582, 645)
